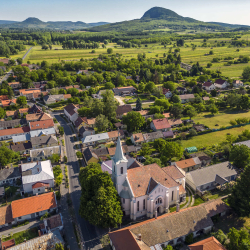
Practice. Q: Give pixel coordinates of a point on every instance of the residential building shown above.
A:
(189, 164)
(6, 216)
(30, 94)
(7, 103)
(49, 99)
(246, 143)
(187, 98)
(209, 86)
(137, 139)
(168, 134)
(5, 60)
(52, 223)
(205, 98)
(35, 109)
(11, 113)
(46, 241)
(22, 148)
(144, 189)
(120, 125)
(44, 141)
(123, 110)
(92, 140)
(42, 132)
(8, 133)
(238, 83)
(41, 124)
(126, 150)
(145, 114)
(8, 176)
(113, 135)
(33, 207)
(124, 90)
(70, 112)
(91, 122)
(209, 177)
(80, 122)
(21, 138)
(85, 131)
(37, 177)
(160, 125)
(23, 111)
(149, 137)
(89, 156)
(37, 117)
(15, 85)
(12, 123)
(221, 84)
(207, 244)
(174, 122)
(44, 153)
(167, 93)
(181, 90)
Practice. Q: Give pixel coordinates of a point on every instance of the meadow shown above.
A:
(20, 54)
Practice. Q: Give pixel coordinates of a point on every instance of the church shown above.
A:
(146, 189)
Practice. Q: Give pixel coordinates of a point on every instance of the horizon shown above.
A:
(66, 10)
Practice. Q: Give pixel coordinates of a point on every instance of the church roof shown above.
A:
(119, 156)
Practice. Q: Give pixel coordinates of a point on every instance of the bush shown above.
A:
(79, 154)
(189, 239)
(58, 195)
(233, 123)
(65, 159)
(61, 130)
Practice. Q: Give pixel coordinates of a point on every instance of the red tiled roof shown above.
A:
(220, 81)
(9, 243)
(207, 84)
(161, 123)
(11, 113)
(6, 103)
(210, 243)
(4, 97)
(174, 172)
(123, 109)
(5, 215)
(27, 91)
(5, 61)
(39, 185)
(14, 131)
(80, 120)
(33, 204)
(41, 124)
(67, 96)
(186, 163)
(21, 111)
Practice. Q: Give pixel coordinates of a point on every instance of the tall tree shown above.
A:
(138, 104)
(99, 203)
(134, 120)
(21, 100)
(240, 156)
(101, 123)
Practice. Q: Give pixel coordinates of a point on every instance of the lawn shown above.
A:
(210, 139)
(20, 54)
(21, 236)
(197, 200)
(218, 194)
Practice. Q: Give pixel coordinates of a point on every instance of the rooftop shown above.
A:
(210, 243)
(138, 137)
(93, 138)
(45, 152)
(41, 124)
(42, 132)
(47, 140)
(14, 131)
(188, 163)
(21, 147)
(161, 123)
(123, 109)
(38, 117)
(5, 215)
(174, 172)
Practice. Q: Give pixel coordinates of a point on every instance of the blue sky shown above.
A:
(229, 11)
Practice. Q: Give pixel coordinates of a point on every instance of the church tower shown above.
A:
(119, 171)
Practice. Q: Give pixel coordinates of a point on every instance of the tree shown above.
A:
(84, 112)
(59, 246)
(2, 113)
(99, 203)
(191, 112)
(19, 61)
(240, 156)
(176, 110)
(61, 130)
(57, 171)
(156, 109)
(7, 155)
(172, 150)
(145, 150)
(162, 102)
(149, 87)
(176, 99)
(79, 154)
(141, 87)
(220, 236)
(138, 104)
(238, 239)
(246, 73)
(109, 85)
(21, 100)
(151, 160)
(109, 50)
(101, 123)
(192, 132)
(213, 109)
(168, 247)
(134, 120)
(54, 158)
(169, 85)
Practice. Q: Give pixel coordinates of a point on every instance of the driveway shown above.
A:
(119, 99)
(88, 231)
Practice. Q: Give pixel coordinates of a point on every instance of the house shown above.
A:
(44, 153)
(167, 93)
(52, 223)
(6, 216)
(246, 143)
(7, 103)
(145, 114)
(70, 112)
(238, 83)
(92, 140)
(49, 99)
(80, 122)
(160, 125)
(42, 132)
(85, 131)
(44, 141)
(120, 125)
(33, 207)
(91, 122)
(12, 114)
(187, 98)
(124, 90)
(29, 93)
(167, 229)
(93, 155)
(15, 85)
(22, 148)
(6, 134)
(41, 124)
(181, 90)
(5, 61)
(188, 164)
(149, 137)
(209, 177)
(206, 244)
(23, 111)
(37, 177)
(46, 241)
(209, 86)
(113, 135)
(37, 117)
(35, 109)
(205, 98)
(20, 138)
(221, 84)
(123, 110)
(175, 122)
(126, 150)
(144, 189)
(12, 123)
(8, 176)
(168, 134)
(137, 139)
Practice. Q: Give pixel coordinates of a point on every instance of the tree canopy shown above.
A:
(134, 120)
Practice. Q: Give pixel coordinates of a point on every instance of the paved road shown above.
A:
(27, 53)
(88, 230)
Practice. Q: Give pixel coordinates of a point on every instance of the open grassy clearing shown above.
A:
(210, 139)
(20, 54)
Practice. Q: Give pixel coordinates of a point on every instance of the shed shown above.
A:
(191, 149)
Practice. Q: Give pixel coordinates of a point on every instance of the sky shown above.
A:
(228, 11)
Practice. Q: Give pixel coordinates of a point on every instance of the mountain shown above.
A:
(160, 18)
(35, 23)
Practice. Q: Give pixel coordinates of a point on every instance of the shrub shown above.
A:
(189, 239)
(79, 154)
(233, 123)
(65, 159)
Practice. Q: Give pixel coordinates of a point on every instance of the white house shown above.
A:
(238, 83)
(143, 189)
(221, 84)
(70, 112)
(91, 140)
(208, 86)
(186, 98)
(6, 134)
(167, 93)
(37, 177)
(9, 176)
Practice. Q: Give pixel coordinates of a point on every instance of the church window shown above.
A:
(138, 206)
(172, 195)
(123, 200)
(144, 204)
(159, 190)
(121, 170)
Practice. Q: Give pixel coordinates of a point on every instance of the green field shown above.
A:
(188, 55)
(20, 54)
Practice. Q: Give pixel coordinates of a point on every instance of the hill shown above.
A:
(35, 23)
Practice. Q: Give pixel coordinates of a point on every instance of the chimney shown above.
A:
(24, 240)
(39, 233)
(37, 163)
(156, 214)
(177, 207)
(38, 170)
(139, 237)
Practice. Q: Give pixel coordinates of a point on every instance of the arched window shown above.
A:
(144, 204)
(121, 170)
(138, 206)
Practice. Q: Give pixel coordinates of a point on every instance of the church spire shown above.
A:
(119, 156)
